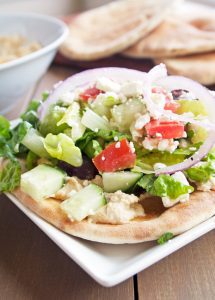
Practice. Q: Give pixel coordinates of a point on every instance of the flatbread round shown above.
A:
(176, 219)
(199, 67)
(112, 28)
(180, 34)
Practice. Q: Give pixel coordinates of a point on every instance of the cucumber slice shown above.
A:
(124, 114)
(194, 106)
(123, 181)
(84, 203)
(93, 121)
(42, 181)
(34, 142)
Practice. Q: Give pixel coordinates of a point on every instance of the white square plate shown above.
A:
(112, 264)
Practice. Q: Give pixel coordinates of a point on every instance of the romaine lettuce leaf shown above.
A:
(164, 186)
(49, 124)
(202, 172)
(63, 148)
(10, 176)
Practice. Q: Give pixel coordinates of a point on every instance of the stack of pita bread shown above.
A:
(180, 34)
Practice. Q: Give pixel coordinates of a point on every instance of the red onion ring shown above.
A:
(88, 76)
(194, 159)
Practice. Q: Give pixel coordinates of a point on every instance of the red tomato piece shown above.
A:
(90, 93)
(167, 129)
(172, 105)
(116, 156)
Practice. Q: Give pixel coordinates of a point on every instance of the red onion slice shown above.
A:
(86, 77)
(194, 159)
(203, 94)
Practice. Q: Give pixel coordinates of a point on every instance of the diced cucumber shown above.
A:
(194, 106)
(103, 103)
(84, 203)
(93, 121)
(200, 134)
(42, 181)
(123, 181)
(124, 114)
(34, 142)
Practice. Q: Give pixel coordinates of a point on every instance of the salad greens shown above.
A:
(108, 128)
(165, 238)
(164, 186)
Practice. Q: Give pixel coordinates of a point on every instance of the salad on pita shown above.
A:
(115, 155)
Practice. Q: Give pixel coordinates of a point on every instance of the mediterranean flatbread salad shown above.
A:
(115, 155)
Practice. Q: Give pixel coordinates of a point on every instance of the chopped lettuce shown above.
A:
(10, 176)
(30, 115)
(202, 172)
(72, 117)
(49, 124)
(31, 160)
(165, 238)
(164, 186)
(4, 127)
(63, 148)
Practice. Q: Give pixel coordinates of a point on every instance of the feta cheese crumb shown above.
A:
(142, 121)
(117, 145)
(161, 144)
(132, 88)
(132, 147)
(107, 85)
(116, 138)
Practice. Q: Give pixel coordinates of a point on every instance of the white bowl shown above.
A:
(17, 76)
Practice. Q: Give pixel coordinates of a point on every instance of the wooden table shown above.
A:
(33, 267)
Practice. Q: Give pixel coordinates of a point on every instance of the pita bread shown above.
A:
(199, 67)
(185, 32)
(176, 219)
(112, 28)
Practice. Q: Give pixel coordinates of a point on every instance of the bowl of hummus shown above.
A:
(28, 45)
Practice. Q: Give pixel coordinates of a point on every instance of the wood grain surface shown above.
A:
(33, 267)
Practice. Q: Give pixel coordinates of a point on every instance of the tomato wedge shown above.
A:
(167, 129)
(89, 93)
(116, 156)
(172, 105)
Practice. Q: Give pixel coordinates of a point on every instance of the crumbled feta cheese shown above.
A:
(116, 138)
(150, 144)
(161, 144)
(132, 88)
(179, 176)
(134, 132)
(192, 148)
(159, 135)
(184, 134)
(132, 147)
(158, 166)
(183, 143)
(117, 145)
(159, 99)
(107, 85)
(142, 121)
(167, 202)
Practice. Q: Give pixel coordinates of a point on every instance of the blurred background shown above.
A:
(59, 7)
